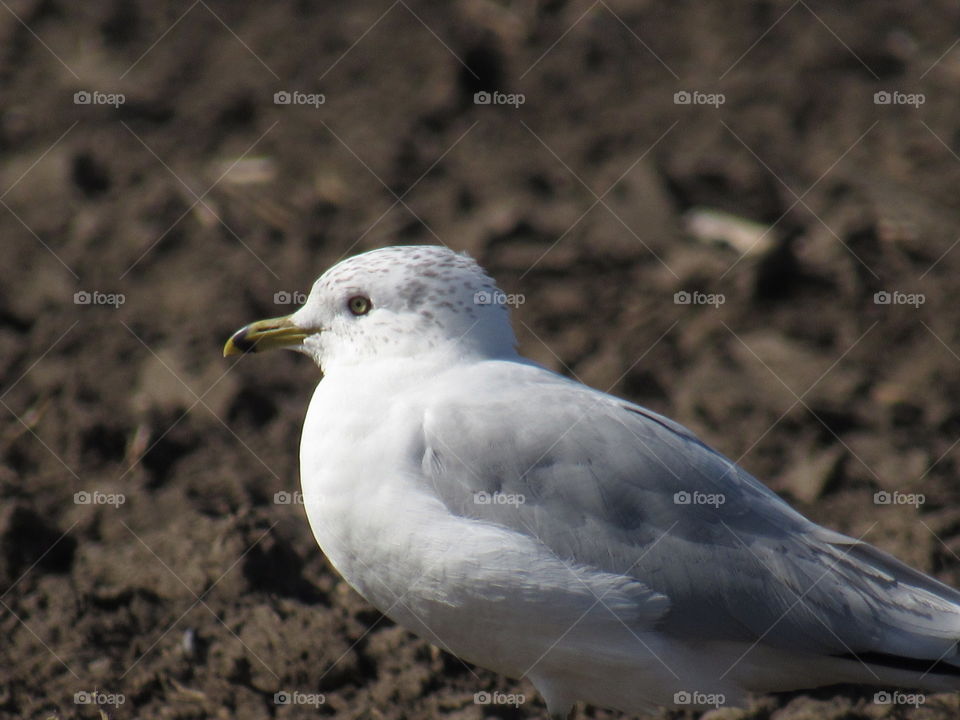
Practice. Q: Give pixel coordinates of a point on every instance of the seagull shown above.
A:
(542, 529)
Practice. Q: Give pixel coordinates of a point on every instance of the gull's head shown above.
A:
(391, 303)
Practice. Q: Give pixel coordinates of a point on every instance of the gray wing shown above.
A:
(607, 484)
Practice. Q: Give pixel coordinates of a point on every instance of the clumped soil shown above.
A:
(199, 198)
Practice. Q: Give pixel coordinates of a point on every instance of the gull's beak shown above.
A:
(265, 335)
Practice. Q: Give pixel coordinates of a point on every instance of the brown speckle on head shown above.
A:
(422, 296)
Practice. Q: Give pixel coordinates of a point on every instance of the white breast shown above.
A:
(488, 594)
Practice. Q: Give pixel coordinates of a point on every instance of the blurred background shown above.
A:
(742, 215)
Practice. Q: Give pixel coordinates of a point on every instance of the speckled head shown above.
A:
(401, 302)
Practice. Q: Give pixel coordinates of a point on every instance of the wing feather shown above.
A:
(609, 485)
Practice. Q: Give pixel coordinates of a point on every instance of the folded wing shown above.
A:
(609, 485)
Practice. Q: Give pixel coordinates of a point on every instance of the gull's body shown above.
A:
(593, 579)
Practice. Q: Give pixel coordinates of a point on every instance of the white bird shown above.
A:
(540, 528)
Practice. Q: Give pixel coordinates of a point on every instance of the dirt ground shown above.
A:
(154, 560)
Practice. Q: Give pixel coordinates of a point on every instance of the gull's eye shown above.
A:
(359, 305)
